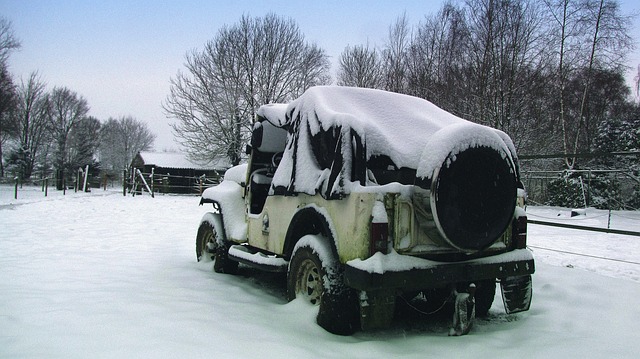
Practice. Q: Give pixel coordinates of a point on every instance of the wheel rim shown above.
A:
(309, 283)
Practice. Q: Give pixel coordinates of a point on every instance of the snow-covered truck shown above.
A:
(362, 196)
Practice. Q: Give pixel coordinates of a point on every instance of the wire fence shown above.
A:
(82, 180)
(606, 180)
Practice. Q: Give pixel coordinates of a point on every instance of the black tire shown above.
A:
(207, 247)
(306, 276)
(206, 238)
(320, 283)
(485, 292)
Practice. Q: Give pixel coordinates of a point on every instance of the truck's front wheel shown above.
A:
(205, 242)
(207, 246)
(315, 275)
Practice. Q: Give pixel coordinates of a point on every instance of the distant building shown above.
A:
(173, 172)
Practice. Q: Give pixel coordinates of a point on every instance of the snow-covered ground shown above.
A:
(102, 275)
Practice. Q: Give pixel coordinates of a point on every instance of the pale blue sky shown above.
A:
(120, 55)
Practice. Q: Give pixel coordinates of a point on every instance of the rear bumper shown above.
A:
(395, 271)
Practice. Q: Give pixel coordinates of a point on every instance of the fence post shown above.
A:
(46, 186)
(589, 187)
(15, 192)
(144, 181)
(77, 184)
(584, 197)
(124, 183)
(152, 180)
(86, 177)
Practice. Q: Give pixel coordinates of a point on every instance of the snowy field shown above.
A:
(95, 275)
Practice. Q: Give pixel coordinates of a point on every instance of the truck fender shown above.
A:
(308, 220)
(215, 220)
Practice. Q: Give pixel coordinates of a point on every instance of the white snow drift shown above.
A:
(106, 276)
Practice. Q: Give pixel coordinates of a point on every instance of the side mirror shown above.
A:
(247, 150)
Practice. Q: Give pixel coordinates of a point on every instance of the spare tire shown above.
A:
(473, 197)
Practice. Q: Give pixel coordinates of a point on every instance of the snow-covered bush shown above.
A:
(566, 190)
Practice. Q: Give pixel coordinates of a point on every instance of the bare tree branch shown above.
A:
(254, 62)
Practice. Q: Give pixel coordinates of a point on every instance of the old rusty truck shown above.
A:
(364, 197)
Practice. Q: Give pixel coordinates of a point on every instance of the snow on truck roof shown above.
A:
(355, 122)
(413, 132)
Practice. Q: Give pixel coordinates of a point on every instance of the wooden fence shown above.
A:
(138, 182)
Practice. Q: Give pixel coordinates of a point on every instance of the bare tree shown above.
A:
(436, 57)
(360, 66)
(8, 125)
(608, 47)
(394, 55)
(506, 49)
(313, 69)
(254, 62)
(32, 118)
(483, 62)
(563, 32)
(66, 109)
(594, 37)
(83, 143)
(120, 140)
(8, 41)
(8, 102)
(637, 81)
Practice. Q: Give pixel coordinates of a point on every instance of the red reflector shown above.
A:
(379, 238)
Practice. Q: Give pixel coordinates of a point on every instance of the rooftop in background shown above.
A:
(180, 160)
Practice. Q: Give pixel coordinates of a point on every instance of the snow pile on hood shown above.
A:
(229, 194)
(412, 132)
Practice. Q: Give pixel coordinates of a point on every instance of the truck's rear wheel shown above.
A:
(315, 275)
(485, 292)
(305, 276)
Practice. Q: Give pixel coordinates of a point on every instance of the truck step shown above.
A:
(253, 258)
(516, 293)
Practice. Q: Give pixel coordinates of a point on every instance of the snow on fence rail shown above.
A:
(585, 255)
(585, 228)
(599, 220)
